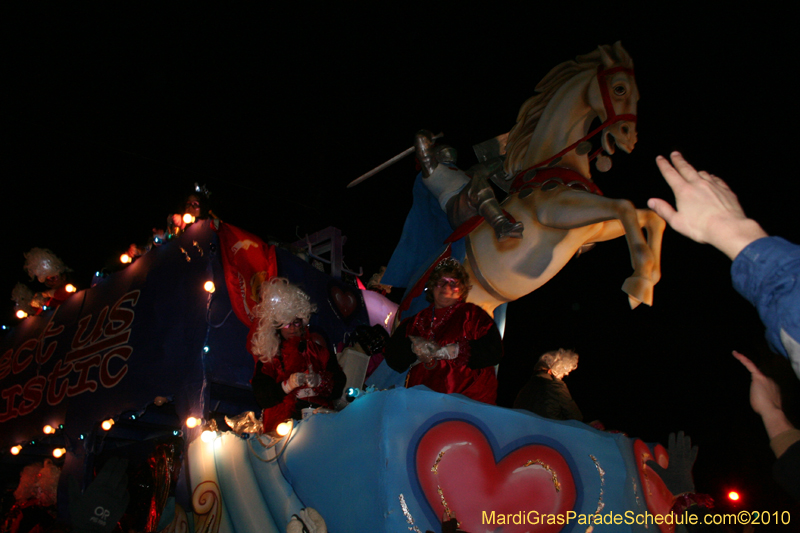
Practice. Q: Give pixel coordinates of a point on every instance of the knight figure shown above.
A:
(461, 196)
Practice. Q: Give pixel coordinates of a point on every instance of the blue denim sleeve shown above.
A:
(766, 273)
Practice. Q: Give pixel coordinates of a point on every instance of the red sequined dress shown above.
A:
(471, 373)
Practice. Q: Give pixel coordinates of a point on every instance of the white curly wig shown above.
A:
(280, 303)
(23, 297)
(41, 263)
(561, 362)
(39, 481)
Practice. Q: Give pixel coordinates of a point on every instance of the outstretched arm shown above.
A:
(706, 210)
(765, 398)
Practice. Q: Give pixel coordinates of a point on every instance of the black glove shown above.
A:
(101, 506)
(678, 474)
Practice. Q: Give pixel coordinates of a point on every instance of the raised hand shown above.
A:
(706, 210)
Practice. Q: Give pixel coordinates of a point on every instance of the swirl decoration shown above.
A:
(207, 504)
(179, 524)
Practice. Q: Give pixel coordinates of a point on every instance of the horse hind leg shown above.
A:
(566, 209)
(640, 289)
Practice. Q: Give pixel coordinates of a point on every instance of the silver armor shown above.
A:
(461, 196)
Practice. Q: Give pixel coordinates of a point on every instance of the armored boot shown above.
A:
(483, 200)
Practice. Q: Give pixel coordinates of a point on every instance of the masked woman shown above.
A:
(294, 369)
(451, 346)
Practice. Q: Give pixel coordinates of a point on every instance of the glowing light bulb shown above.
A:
(125, 258)
(48, 429)
(188, 218)
(733, 495)
(208, 436)
(59, 452)
(106, 425)
(284, 428)
(21, 314)
(16, 449)
(192, 422)
(209, 286)
(69, 287)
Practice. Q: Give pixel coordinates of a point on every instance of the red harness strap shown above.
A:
(536, 177)
(611, 115)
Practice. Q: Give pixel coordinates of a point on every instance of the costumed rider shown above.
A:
(294, 369)
(44, 265)
(196, 206)
(545, 394)
(36, 496)
(461, 196)
(450, 346)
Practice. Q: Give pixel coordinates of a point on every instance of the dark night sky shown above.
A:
(112, 113)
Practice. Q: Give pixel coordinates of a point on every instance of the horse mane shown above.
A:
(531, 111)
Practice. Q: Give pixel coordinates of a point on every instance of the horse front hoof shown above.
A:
(639, 290)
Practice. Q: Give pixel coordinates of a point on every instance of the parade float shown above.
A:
(151, 364)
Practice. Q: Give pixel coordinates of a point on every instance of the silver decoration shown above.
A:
(244, 423)
(583, 148)
(525, 193)
(407, 514)
(554, 162)
(529, 175)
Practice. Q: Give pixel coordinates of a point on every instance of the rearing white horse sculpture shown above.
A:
(552, 193)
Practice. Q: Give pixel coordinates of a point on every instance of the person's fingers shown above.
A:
(662, 209)
(693, 454)
(747, 363)
(672, 176)
(721, 182)
(683, 167)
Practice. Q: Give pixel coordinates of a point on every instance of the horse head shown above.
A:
(554, 123)
(613, 96)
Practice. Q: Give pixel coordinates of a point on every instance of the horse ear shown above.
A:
(604, 57)
(622, 54)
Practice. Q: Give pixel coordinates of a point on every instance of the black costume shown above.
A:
(548, 396)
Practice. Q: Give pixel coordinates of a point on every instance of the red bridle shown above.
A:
(611, 115)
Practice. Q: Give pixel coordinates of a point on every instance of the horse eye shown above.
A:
(619, 90)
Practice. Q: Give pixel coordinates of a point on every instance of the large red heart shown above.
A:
(346, 302)
(459, 475)
(656, 494)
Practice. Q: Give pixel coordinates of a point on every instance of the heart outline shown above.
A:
(657, 496)
(491, 476)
